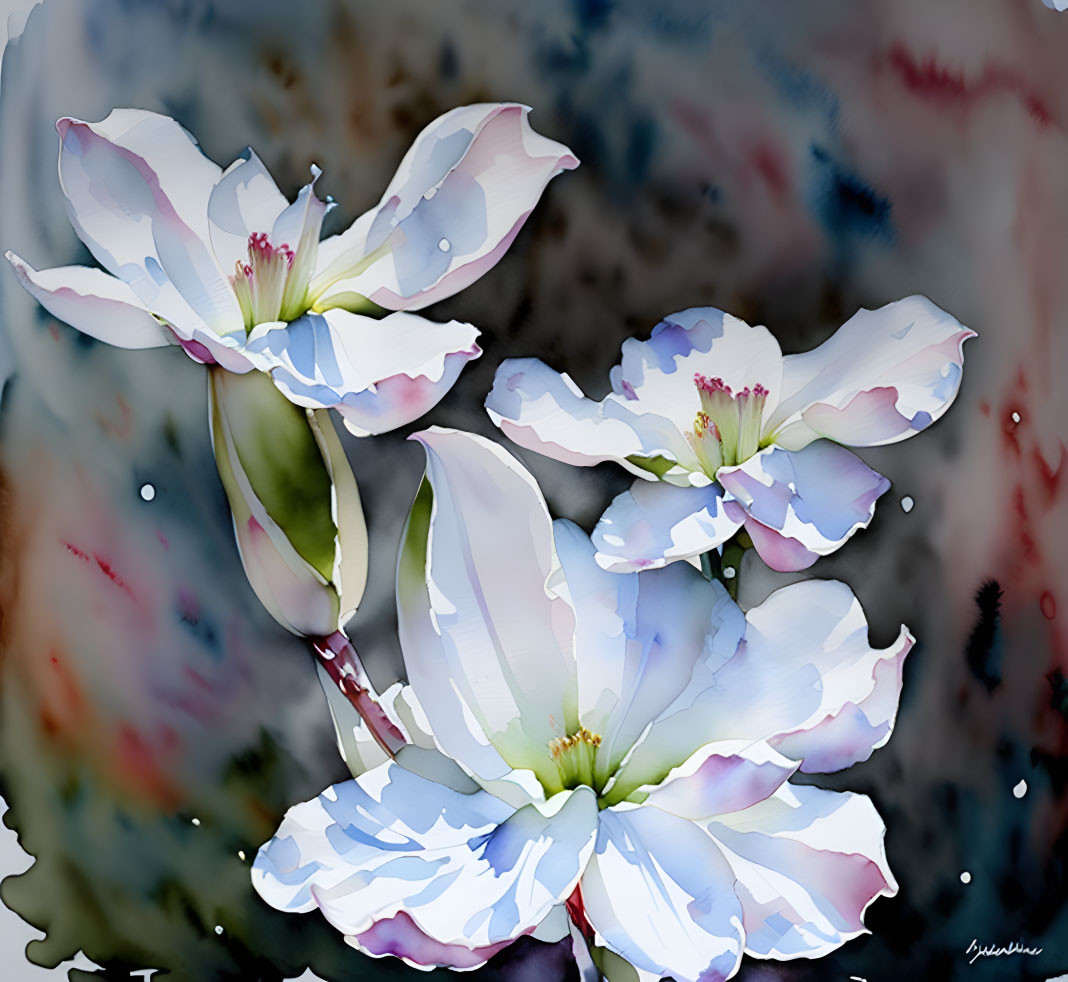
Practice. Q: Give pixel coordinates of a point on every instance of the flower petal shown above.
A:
(146, 222)
(658, 374)
(466, 868)
(653, 524)
(94, 303)
(379, 374)
(725, 776)
(808, 863)
(884, 375)
(400, 936)
(660, 894)
(245, 200)
(821, 622)
(637, 640)
(479, 565)
(545, 411)
(819, 496)
(459, 198)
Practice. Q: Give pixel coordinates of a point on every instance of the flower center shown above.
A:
(574, 757)
(726, 430)
(270, 286)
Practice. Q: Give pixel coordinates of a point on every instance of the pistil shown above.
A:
(574, 757)
(727, 428)
(260, 284)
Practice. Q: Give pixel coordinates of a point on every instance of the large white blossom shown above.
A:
(221, 263)
(724, 431)
(616, 746)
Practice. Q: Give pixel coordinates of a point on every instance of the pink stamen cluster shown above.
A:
(711, 386)
(726, 430)
(261, 250)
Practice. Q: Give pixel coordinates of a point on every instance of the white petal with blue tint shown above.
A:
(653, 524)
(660, 894)
(379, 374)
(544, 410)
(459, 198)
(808, 862)
(637, 640)
(246, 200)
(122, 208)
(658, 374)
(822, 622)
(818, 496)
(884, 375)
(466, 868)
(504, 639)
(96, 304)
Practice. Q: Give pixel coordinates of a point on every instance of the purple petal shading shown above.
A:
(399, 936)
(660, 894)
(883, 376)
(459, 198)
(818, 496)
(721, 777)
(654, 524)
(808, 863)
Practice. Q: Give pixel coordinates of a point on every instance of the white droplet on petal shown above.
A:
(444, 245)
(148, 492)
(906, 504)
(729, 573)
(218, 929)
(1015, 417)
(429, 193)
(196, 821)
(1020, 790)
(966, 877)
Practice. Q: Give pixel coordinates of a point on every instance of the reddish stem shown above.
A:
(337, 655)
(576, 908)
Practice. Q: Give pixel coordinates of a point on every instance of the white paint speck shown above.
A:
(444, 245)
(1015, 417)
(241, 854)
(148, 492)
(729, 572)
(966, 877)
(429, 193)
(907, 504)
(218, 929)
(196, 821)
(1020, 790)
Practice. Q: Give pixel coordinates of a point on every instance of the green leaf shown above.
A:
(655, 465)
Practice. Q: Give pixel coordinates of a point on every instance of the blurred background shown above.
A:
(788, 162)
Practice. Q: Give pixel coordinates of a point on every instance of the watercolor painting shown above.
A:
(563, 491)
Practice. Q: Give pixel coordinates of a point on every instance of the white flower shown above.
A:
(220, 263)
(725, 431)
(615, 745)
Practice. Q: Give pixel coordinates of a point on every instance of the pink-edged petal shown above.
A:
(95, 303)
(660, 894)
(467, 869)
(884, 375)
(822, 622)
(245, 200)
(379, 374)
(654, 524)
(808, 863)
(818, 496)
(459, 198)
(658, 375)
(137, 190)
(725, 776)
(637, 640)
(400, 937)
(544, 410)
(476, 562)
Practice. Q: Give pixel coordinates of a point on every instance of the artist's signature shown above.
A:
(978, 951)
